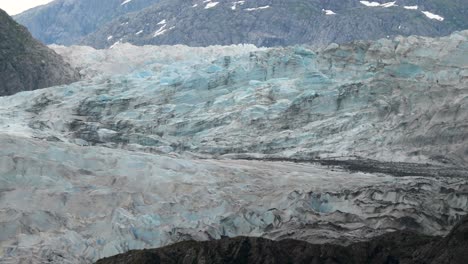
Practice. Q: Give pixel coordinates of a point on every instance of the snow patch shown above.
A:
(116, 44)
(432, 16)
(139, 32)
(367, 3)
(162, 22)
(110, 37)
(328, 12)
(234, 4)
(257, 8)
(411, 7)
(211, 5)
(125, 2)
(376, 4)
(160, 31)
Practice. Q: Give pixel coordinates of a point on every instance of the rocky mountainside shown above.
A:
(162, 144)
(26, 64)
(280, 23)
(398, 247)
(67, 21)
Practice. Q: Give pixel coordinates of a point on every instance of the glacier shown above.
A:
(159, 144)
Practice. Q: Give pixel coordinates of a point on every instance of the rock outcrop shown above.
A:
(25, 63)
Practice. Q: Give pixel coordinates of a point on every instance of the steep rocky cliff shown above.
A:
(25, 63)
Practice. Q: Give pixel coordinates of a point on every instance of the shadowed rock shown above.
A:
(26, 64)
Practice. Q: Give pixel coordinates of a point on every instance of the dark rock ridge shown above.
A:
(279, 23)
(67, 21)
(397, 247)
(26, 64)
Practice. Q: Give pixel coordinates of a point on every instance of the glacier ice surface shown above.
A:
(149, 149)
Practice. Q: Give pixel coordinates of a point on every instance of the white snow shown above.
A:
(257, 8)
(211, 5)
(328, 12)
(432, 16)
(160, 31)
(367, 3)
(195, 5)
(139, 32)
(389, 4)
(115, 44)
(411, 7)
(110, 37)
(376, 4)
(162, 22)
(234, 4)
(125, 2)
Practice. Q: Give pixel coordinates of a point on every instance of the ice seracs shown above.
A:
(169, 130)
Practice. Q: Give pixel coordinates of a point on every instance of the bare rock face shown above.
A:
(260, 22)
(270, 23)
(397, 247)
(25, 63)
(67, 21)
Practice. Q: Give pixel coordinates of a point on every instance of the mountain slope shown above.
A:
(26, 64)
(279, 23)
(67, 21)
